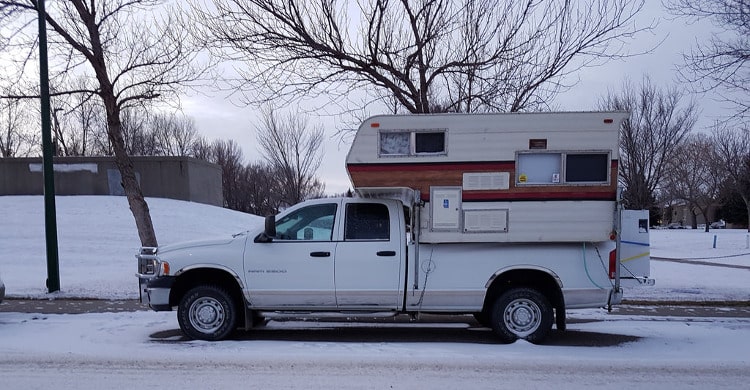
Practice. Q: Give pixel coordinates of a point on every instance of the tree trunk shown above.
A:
(704, 211)
(137, 203)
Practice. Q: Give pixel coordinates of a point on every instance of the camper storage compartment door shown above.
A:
(486, 221)
(445, 208)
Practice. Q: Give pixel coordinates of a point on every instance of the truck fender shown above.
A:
(555, 295)
(524, 267)
(207, 273)
(212, 266)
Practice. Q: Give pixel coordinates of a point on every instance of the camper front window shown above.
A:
(395, 143)
(412, 143)
(429, 142)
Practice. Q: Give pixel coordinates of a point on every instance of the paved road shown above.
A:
(701, 262)
(79, 306)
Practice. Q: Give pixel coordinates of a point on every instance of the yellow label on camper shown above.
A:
(522, 178)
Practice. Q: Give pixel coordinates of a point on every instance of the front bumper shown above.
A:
(154, 291)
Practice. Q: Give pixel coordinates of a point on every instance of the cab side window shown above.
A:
(367, 221)
(311, 223)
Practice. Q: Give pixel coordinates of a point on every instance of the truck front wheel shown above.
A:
(522, 313)
(207, 313)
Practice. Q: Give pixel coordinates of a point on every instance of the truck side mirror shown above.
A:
(270, 230)
(270, 226)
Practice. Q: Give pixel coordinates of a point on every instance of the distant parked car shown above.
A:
(2, 290)
(676, 225)
(720, 224)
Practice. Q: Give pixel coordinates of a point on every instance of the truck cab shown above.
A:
(340, 254)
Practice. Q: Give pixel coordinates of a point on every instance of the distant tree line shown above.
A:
(286, 174)
(664, 162)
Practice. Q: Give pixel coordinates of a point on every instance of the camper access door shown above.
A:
(635, 260)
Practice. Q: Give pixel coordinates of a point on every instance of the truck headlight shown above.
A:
(152, 267)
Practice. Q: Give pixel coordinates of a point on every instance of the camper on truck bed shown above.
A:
(513, 218)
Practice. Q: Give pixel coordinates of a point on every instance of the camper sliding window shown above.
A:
(562, 168)
(412, 143)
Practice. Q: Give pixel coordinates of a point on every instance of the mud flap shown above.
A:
(560, 318)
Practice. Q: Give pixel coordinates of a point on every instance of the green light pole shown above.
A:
(50, 220)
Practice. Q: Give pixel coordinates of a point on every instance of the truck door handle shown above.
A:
(386, 253)
(320, 254)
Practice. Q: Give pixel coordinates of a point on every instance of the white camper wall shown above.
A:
(532, 177)
(490, 137)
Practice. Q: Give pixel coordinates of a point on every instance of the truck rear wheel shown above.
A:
(207, 313)
(522, 313)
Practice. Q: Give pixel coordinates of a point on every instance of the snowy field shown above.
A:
(97, 241)
(142, 349)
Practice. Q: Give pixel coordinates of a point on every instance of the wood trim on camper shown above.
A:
(451, 174)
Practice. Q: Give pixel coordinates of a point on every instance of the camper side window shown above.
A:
(539, 168)
(562, 168)
(586, 168)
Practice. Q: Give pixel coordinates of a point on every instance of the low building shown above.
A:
(182, 178)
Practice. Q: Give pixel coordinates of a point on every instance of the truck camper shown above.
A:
(512, 218)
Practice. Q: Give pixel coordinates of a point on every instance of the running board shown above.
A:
(275, 315)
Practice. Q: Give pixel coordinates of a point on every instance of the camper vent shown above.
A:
(486, 181)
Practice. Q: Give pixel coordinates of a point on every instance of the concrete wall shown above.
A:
(181, 178)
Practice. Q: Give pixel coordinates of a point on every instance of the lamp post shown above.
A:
(50, 220)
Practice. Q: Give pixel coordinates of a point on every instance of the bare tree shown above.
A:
(15, 140)
(228, 155)
(724, 61)
(293, 150)
(131, 48)
(78, 121)
(201, 149)
(477, 55)
(260, 189)
(175, 135)
(659, 121)
(138, 137)
(733, 146)
(695, 176)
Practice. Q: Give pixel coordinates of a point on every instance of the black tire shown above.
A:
(207, 313)
(522, 313)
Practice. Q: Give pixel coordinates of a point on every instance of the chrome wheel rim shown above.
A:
(522, 317)
(207, 315)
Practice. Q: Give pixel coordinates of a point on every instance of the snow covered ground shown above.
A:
(98, 241)
(90, 351)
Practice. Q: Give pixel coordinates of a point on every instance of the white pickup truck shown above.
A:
(351, 256)
(541, 235)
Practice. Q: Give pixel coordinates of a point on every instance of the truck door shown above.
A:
(369, 258)
(295, 269)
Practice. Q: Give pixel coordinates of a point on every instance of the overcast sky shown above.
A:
(217, 118)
